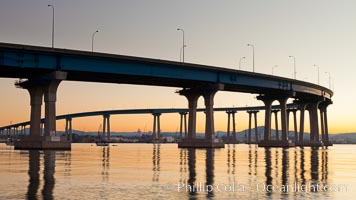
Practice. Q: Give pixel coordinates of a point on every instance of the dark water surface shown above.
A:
(152, 171)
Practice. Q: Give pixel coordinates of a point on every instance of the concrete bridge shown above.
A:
(45, 68)
(18, 129)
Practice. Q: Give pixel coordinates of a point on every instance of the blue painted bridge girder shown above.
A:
(23, 61)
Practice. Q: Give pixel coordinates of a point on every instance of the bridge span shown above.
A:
(42, 69)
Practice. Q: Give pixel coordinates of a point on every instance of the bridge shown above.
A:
(42, 69)
(17, 129)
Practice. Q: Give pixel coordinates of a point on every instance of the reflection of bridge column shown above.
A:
(268, 165)
(156, 159)
(192, 171)
(268, 109)
(209, 161)
(33, 172)
(275, 112)
(48, 176)
(156, 127)
(285, 166)
(68, 129)
(183, 120)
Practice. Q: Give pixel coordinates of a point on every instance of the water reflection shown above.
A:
(269, 166)
(156, 158)
(33, 172)
(48, 174)
(192, 171)
(209, 160)
(105, 162)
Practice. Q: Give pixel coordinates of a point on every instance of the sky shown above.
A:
(317, 32)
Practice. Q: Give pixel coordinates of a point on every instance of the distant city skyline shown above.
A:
(315, 33)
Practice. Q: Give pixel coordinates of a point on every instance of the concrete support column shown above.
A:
(228, 126)
(302, 107)
(103, 136)
(192, 98)
(256, 129)
(183, 122)
(322, 125)
(209, 114)
(156, 135)
(314, 124)
(50, 98)
(108, 127)
(295, 125)
(268, 110)
(324, 121)
(283, 105)
(326, 126)
(69, 129)
(234, 126)
(275, 112)
(249, 126)
(36, 94)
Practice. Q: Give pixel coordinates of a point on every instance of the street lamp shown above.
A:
(329, 79)
(183, 46)
(295, 71)
(180, 55)
(273, 68)
(52, 24)
(240, 62)
(318, 74)
(253, 56)
(92, 40)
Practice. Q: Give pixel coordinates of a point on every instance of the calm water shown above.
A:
(147, 171)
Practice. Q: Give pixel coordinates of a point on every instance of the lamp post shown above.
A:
(295, 71)
(240, 62)
(253, 56)
(183, 46)
(92, 40)
(329, 79)
(273, 68)
(180, 55)
(52, 24)
(318, 74)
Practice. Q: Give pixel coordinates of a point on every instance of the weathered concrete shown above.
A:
(43, 143)
(276, 143)
(200, 143)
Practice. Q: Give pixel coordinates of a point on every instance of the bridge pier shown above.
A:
(231, 113)
(254, 113)
(45, 86)
(106, 135)
(156, 134)
(192, 95)
(183, 120)
(267, 142)
(294, 112)
(324, 119)
(69, 129)
(275, 112)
